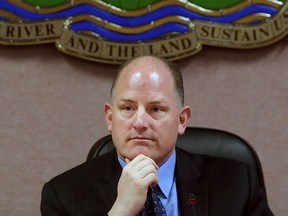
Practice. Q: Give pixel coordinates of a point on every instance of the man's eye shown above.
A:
(156, 109)
(127, 108)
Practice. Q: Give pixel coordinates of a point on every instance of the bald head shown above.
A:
(151, 64)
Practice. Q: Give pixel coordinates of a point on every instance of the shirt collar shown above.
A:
(165, 173)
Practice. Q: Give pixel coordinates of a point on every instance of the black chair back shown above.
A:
(205, 141)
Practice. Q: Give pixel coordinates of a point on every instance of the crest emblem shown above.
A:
(113, 31)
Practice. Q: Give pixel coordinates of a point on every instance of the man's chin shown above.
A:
(135, 152)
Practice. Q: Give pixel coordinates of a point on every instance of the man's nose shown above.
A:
(141, 120)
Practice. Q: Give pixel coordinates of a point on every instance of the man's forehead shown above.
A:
(152, 77)
(150, 69)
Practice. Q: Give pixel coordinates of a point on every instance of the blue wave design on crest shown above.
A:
(136, 21)
(110, 35)
(3, 18)
(133, 21)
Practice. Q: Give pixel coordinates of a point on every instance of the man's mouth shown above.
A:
(140, 138)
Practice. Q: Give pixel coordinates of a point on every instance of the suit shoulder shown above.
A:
(206, 160)
(87, 169)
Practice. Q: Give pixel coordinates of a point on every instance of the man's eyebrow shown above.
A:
(126, 100)
(157, 101)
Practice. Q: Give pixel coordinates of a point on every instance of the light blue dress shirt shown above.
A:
(167, 184)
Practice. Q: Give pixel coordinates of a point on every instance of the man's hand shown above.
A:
(133, 185)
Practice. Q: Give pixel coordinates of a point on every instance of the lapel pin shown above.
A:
(192, 199)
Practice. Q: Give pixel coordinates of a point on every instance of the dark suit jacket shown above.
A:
(222, 188)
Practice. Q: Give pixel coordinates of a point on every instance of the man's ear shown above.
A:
(184, 117)
(108, 116)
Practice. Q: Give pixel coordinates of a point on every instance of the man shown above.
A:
(145, 116)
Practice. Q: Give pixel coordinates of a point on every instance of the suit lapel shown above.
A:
(189, 185)
(111, 176)
(187, 179)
